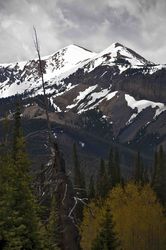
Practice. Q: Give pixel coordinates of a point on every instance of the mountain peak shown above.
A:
(117, 50)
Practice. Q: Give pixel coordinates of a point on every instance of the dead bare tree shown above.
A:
(55, 179)
(37, 47)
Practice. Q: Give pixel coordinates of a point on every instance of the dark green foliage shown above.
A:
(154, 167)
(107, 238)
(138, 171)
(77, 171)
(114, 172)
(110, 176)
(52, 227)
(117, 168)
(17, 132)
(145, 176)
(102, 181)
(18, 211)
(91, 189)
(159, 176)
(92, 121)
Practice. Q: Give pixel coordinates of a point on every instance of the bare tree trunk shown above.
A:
(37, 47)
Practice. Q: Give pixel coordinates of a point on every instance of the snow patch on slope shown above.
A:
(143, 104)
(96, 98)
(81, 96)
(111, 55)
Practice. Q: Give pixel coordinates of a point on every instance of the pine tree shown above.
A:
(102, 181)
(6, 130)
(5, 180)
(111, 169)
(145, 176)
(159, 179)
(91, 190)
(17, 131)
(154, 171)
(77, 171)
(107, 238)
(114, 172)
(19, 220)
(52, 227)
(138, 174)
(117, 168)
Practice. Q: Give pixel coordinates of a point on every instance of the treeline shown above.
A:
(109, 212)
(21, 225)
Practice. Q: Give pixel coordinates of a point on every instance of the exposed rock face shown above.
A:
(116, 93)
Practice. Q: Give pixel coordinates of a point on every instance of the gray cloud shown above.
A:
(93, 24)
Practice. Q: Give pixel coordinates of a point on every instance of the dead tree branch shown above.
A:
(37, 47)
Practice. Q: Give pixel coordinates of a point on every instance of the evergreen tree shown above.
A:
(159, 179)
(17, 131)
(114, 172)
(145, 177)
(138, 174)
(111, 169)
(6, 130)
(19, 220)
(154, 171)
(107, 238)
(52, 227)
(110, 162)
(102, 181)
(83, 184)
(77, 171)
(91, 190)
(117, 168)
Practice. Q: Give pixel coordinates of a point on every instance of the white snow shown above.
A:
(56, 108)
(143, 104)
(82, 144)
(97, 96)
(111, 95)
(66, 61)
(103, 74)
(156, 68)
(100, 96)
(81, 96)
(111, 54)
(58, 66)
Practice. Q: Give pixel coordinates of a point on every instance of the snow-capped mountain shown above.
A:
(23, 77)
(122, 89)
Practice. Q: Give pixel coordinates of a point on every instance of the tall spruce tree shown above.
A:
(91, 189)
(19, 220)
(138, 171)
(117, 168)
(77, 171)
(114, 172)
(154, 169)
(52, 226)
(107, 238)
(159, 179)
(111, 169)
(102, 181)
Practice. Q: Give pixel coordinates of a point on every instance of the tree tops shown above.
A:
(137, 216)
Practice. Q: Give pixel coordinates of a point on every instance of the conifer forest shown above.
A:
(82, 125)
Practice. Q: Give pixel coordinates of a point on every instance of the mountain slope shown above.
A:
(19, 78)
(115, 94)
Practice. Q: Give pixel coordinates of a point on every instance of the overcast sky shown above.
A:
(93, 24)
